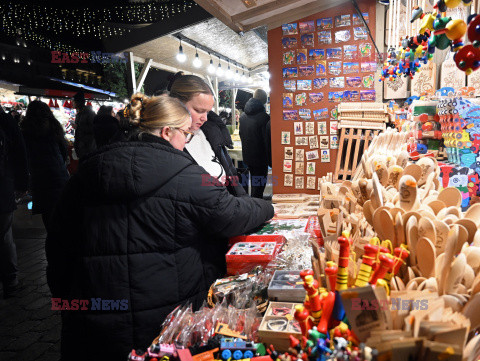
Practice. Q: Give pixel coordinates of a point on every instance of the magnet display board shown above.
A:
(315, 63)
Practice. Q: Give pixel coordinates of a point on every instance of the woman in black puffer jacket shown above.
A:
(47, 153)
(131, 225)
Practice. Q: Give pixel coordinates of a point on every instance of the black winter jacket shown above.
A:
(219, 138)
(84, 143)
(48, 172)
(253, 133)
(14, 172)
(132, 225)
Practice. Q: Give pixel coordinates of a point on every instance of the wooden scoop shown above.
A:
(451, 196)
(408, 193)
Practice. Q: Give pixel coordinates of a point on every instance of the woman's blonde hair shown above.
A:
(156, 113)
(187, 86)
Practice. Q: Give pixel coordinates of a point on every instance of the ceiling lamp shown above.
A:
(219, 69)
(197, 63)
(181, 57)
(228, 73)
(250, 80)
(211, 67)
(236, 76)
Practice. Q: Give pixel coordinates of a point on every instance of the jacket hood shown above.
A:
(254, 106)
(128, 170)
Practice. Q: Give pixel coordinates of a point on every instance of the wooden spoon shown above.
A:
(473, 256)
(426, 228)
(402, 159)
(452, 302)
(468, 276)
(473, 213)
(470, 226)
(399, 230)
(408, 193)
(437, 206)
(411, 232)
(368, 212)
(425, 251)
(476, 238)
(462, 238)
(388, 225)
(451, 196)
(471, 311)
(382, 173)
(414, 170)
(447, 261)
(441, 230)
(427, 165)
(455, 275)
(472, 350)
(394, 174)
(395, 210)
(377, 195)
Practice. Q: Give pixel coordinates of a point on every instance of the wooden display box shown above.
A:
(280, 339)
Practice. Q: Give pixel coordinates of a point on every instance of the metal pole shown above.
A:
(234, 118)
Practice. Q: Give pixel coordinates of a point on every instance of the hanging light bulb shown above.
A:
(236, 76)
(211, 67)
(250, 80)
(243, 78)
(228, 73)
(181, 57)
(197, 63)
(219, 69)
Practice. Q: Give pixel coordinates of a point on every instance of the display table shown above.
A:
(236, 155)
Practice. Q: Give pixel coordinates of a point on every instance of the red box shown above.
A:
(257, 238)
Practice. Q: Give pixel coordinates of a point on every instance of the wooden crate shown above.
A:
(354, 141)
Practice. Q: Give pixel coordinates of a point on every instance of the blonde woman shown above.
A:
(132, 227)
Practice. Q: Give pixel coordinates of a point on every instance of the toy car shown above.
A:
(236, 348)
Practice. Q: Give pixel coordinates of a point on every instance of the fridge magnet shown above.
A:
(305, 113)
(312, 154)
(350, 52)
(322, 128)
(307, 40)
(290, 115)
(290, 85)
(299, 155)
(351, 96)
(324, 142)
(288, 180)
(334, 53)
(299, 167)
(298, 128)
(334, 113)
(325, 156)
(301, 99)
(358, 21)
(367, 95)
(335, 67)
(324, 23)
(365, 50)
(351, 68)
(342, 36)
(342, 20)
(301, 56)
(354, 81)
(315, 97)
(301, 140)
(289, 29)
(306, 26)
(333, 127)
(310, 168)
(290, 72)
(287, 166)
(288, 153)
(368, 67)
(306, 70)
(285, 137)
(287, 100)
(289, 57)
(325, 37)
(320, 114)
(360, 33)
(335, 97)
(289, 42)
(299, 183)
(334, 141)
(310, 182)
(316, 54)
(368, 81)
(313, 142)
(304, 85)
(319, 83)
(337, 82)
(320, 67)
(309, 128)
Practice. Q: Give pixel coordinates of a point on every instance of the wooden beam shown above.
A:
(213, 8)
(143, 73)
(261, 9)
(293, 15)
(131, 81)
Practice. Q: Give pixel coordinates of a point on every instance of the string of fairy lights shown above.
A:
(42, 24)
